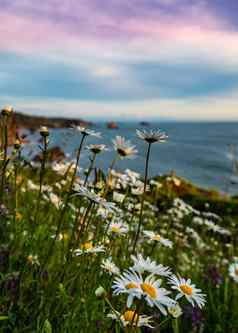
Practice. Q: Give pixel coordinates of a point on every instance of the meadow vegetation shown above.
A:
(112, 252)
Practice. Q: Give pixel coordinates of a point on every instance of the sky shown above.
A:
(121, 59)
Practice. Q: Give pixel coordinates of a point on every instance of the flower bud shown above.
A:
(175, 311)
(100, 292)
(17, 144)
(44, 132)
(7, 111)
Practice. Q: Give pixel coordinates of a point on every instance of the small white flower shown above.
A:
(118, 197)
(124, 148)
(175, 311)
(152, 136)
(89, 248)
(142, 265)
(130, 317)
(187, 289)
(233, 271)
(31, 186)
(33, 260)
(132, 283)
(109, 267)
(118, 228)
(84, 192)
(97, 148)
(127, 283)
(86, 131)
(158, 238)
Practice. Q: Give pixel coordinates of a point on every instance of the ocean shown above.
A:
(198, 152)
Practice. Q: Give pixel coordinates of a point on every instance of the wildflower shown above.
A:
(233, 271)
(127, 283)
(156, 296)
(33, 260)
(54, 199)
(97, 148)
(18, 216)
(138, 188)
(7, 111)
(156, 237)
(214, 276)
(175, 311)
(118, 228)
(83, 191)
(118, 197)
(132, 175)
(85, 131)
(132, 283)
(124, 148)
(187, 289)
(142, 265)
(88, 248)
(109, 266)
(194, 315)
(152, 136)
(131, 318)
(61, 168)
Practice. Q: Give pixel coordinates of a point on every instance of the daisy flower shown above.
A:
(128, 283)
(123, 147)
(152, 136)
(96, 148)
(187, 289)
(156, 237)
(233, 271)
(130, 317)
(132, 283)
(88, 248)
(109, 267)
(118, 228)
(90, 195)
(142, 265)
(175, 311)
(156, 296)
(118, 197)
(85, 131)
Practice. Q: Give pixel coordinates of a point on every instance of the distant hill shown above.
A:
(33, 123)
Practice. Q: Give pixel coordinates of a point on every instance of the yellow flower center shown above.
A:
(236, 271)
(156, 237)
(30, 259)
(149, 290)
(131, 316)
(186, 289)
(115, 229)
(87, 246)
(18, 216)
(131, 285)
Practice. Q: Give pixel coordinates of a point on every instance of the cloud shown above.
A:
(121, 55)
(194, 109)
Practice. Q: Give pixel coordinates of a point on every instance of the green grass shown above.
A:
(46, 288)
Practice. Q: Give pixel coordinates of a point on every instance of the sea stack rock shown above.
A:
(112, 125)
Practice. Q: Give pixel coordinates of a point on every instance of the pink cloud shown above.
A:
(83, 28)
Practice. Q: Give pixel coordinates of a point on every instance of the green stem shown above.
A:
(143, 197)
(63, 211)
(89, 169)
(42, 173)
